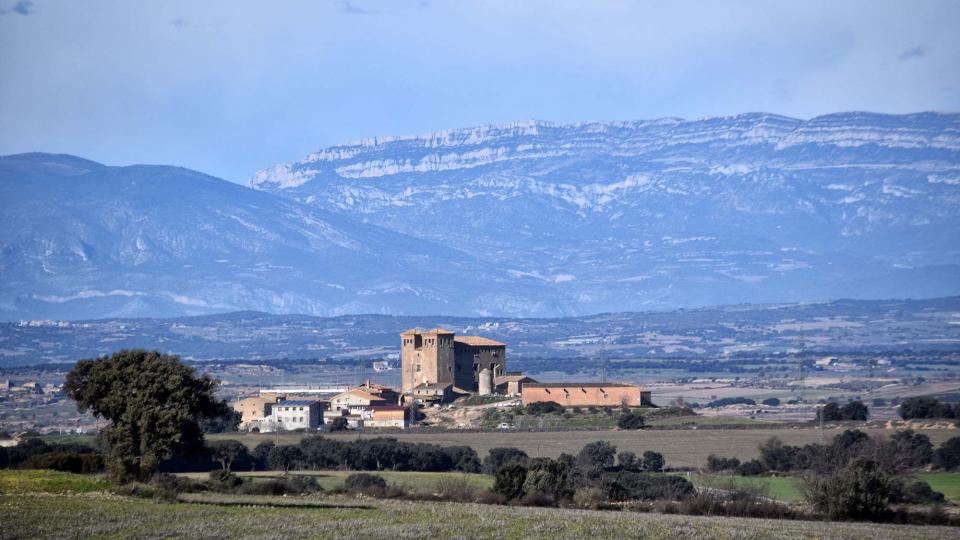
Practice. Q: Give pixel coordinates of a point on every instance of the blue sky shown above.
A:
(228, 87)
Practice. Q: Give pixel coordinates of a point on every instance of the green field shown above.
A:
(16, 481)
(784, 488)
(412, 481)
(946, 483)
(680, 447)
(216, 516)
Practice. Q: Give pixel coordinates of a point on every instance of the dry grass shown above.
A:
(85, 516)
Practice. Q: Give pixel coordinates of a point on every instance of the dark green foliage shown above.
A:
(224, 480)
(550, 480)
(228, 422)
(914, 493)
(832, 412)
(154, 404)
(771, 402)
(628, 461)
(723, 402)
(67, 461)
(595, 457)
(544, 407)
(906, 450)
(337, 424)
(652, 461)
(260, 454)
(629, 420)
(925, 407)
(509, 480)
(751, 468)
(775, 456)
(295, 485)
(947, 457)
(625, 486)
(368, 484)
(498, 457)
(284, 458)
(718, 464)
(858, 491)
(465, 459)
(226, 453)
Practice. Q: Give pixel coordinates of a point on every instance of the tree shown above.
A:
(771, 402)
(338, 424)
(222, 424)
(260, 454)
(652, 461)
(628, 461)
(775, 456)
(509, 480)
(154, 405)
(227, 452)
(906, 450)
(284, 458)
(596, 456)
(498, 457)
(858, 491)
(947, 457)
(855, 410)
(925, 407)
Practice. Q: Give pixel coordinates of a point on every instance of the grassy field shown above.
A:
(16, 481)
(785, 489)
(680, 447)
(412, 481)
(946, 483)
(217, 516)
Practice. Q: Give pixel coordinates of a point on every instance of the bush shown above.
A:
(718, 464)
(624, 486)
(509, 480)
(499, 457)
(751, 468)
(771, 402)
(338, 424)
(296, 485)
(947, 457)
(368, 484)
(914, 493)
(734, 504)
(653, 461)
(628, 461)
(456, 489)
(858, 491)
(544, 407)
(629, 420)
(67, 462)
(224, 480)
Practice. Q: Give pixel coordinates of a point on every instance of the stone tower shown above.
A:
(427, 357)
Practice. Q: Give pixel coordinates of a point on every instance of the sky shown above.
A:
(229, 87)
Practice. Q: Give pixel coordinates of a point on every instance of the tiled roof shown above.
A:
(386, 408)
(478, 341)
(512, 378)
(296, 403)
(579, 385)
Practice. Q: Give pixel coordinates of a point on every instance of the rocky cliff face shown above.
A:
(666, 213)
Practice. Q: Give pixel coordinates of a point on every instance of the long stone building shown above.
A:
(586, 394)
(434, 359)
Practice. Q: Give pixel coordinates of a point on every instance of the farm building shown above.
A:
(590, 394)
(386, 416)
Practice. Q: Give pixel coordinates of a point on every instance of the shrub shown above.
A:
(775, 456)
(652, 461)
(589, 497)
(914, 493)
(338, 424)
(295, 485)
(544, 407)
(947, 457)
(628, 461)
(456, 489)
(771, 402)
(858, 491)
(224, 480)
(629, 420)
(718, 464)
(905, 450)
(67, 462)
(499, 457)
(368, 484)
(751, 468)
(509, 480)
(638, 486)
(550, 480)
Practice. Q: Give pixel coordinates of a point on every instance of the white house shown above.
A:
(291, 415)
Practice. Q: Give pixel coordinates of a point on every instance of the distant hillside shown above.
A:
(728, 331)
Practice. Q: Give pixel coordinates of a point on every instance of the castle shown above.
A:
(436, 363)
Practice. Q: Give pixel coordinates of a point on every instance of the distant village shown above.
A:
(437, 367)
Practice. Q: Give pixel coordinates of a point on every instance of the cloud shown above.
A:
(348, 8)
(916, 52)
(22, 7)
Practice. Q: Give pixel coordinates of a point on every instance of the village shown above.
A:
(438, 368)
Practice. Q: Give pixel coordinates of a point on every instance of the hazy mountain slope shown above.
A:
(622, 215)
(79, 239)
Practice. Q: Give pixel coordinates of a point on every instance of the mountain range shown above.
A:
(524, 219)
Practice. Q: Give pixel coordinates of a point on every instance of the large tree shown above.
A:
(154, 404)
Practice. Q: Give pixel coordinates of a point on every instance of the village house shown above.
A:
(386, 416)
(588, 394)
(289, 415)
(255, 409)
(355, 401)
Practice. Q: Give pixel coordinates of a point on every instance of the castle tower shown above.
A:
(427, 357)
